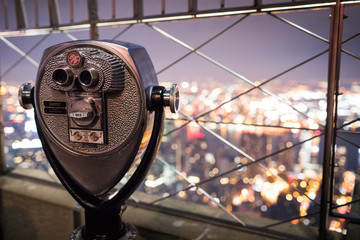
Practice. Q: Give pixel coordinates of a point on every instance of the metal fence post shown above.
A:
(93, 19)
(337, 13)
(20, 13)
(54, 13)
(138, 9)
(2, 139)
(192, 6)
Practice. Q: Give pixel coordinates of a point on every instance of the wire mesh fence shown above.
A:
(249, 138)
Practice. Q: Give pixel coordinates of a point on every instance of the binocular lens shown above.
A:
(62, 76)
(89, 77)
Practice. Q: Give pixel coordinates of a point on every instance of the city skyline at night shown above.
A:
(250, 134)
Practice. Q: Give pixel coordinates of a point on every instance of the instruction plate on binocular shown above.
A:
(86, 136)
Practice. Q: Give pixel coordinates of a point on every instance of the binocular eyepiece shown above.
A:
(63, 76)
(99, 113)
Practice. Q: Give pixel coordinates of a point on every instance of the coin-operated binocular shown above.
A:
(99, 113)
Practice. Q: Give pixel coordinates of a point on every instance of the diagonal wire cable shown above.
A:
(289, 220)
(277, 152)
(225, 68)
(346, 204)
(201, 190)
(273, 78)
(244, 124)
(349, 131)
(349, 123)
(343, 138)
(203, 44)
(299, 27)
(247, 156)
(18, 50)
(314, 34)
(348, 141)
(239, 167)
(255, 86)
(69, 35)
(27, 54)
(307, 215)
(22, 53)
(351, 54)
(72, 37)
(120, 33)
(249, 90)
(249, 163)
(308, 33)
(350, 38)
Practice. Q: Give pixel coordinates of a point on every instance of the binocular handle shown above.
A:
(172, 98)
(25, 96)
(158, 96)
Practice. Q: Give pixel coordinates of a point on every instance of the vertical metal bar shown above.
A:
(257, 4)
(71, 3)
(6, 21)
(113, 7)
(222, 3)
(20, 14)
(93, 19)
(163, 6)
(337, 79)
(2, 138)
(36, 9)
(329, 145)
(138, 9)
(192, 6)
(53, 13)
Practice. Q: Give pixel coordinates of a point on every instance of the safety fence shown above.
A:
(269, 119)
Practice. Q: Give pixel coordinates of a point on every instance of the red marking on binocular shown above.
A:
(74, 58)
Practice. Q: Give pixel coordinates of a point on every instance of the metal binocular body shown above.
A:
(99, 113)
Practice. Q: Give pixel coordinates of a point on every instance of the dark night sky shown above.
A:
(259, 47)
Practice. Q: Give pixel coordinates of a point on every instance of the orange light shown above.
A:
(294, 221)
(233, 181)
(296, 194)
(182, 194)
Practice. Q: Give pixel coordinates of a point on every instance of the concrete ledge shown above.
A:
(33, 209)
(166, 219)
